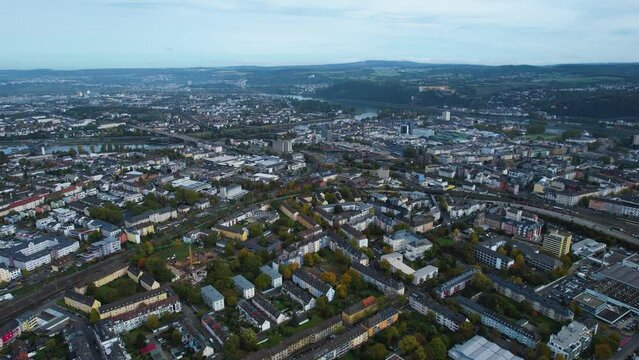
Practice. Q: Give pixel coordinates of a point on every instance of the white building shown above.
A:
(273, 274)
(213, 298)
(245, 287)
(425, 273)
(572, 340)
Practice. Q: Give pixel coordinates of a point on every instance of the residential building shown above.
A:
(492, 258)
(273, 274)
(572, 340)
(243, 286)
(380, 321)
(358, 310)
(300, 340)
(313, 284)
(540, 303)
(302, 297)
(456, 284)
(252, 315)
(501, 325)
(271, 312)
(338, 346)
(424, 304)
(383, 283)
(213, 298)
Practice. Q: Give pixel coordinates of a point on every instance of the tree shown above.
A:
(341, 291)
(209, 241)
(186, 196)
(248, 339)
(408, 344)
(482, 282)
(148, 248)
(329, 277)
(439, 348)
(94, 317)
(466, 330)
(262, 281)
(176, 337)
(286, 272)
(152, 322)
(376, 352)
(309, 260)
(231, 347)
(384, 265)
(603, 351)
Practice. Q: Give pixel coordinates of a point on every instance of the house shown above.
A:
(243, 286)
(313, 284)
(254, 316)
(306, 300)
(213, 298)
(268, 309)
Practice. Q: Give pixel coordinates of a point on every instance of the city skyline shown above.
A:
(196, 33)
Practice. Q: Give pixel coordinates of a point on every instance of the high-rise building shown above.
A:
(446, 115)
(327, 135)
(404, 129)
(557, 243)
(283, 146)
(635, 140)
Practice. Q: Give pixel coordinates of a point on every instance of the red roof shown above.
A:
(147, 349)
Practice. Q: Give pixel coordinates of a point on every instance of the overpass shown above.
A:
(181, 137)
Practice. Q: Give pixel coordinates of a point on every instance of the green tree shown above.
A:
(466, 330)
(408, 344)
(176, 337)
(94, 317)
(603, 351)
(329, 277)
(248, 339)
(262, 281)
(376, 352)
(481, 282)
(232, 347)
(439, 348)
(152, 322)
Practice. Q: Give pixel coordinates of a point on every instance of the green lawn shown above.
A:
(444, 242)
(181, 252)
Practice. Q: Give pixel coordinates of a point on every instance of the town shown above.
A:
(167, 220)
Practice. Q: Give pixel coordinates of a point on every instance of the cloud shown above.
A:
(77, 32)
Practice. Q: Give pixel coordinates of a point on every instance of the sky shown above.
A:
(81, 34)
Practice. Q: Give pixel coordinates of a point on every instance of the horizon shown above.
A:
(363, 62)
(107, 34)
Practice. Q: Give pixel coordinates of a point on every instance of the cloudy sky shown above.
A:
(70, 34)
